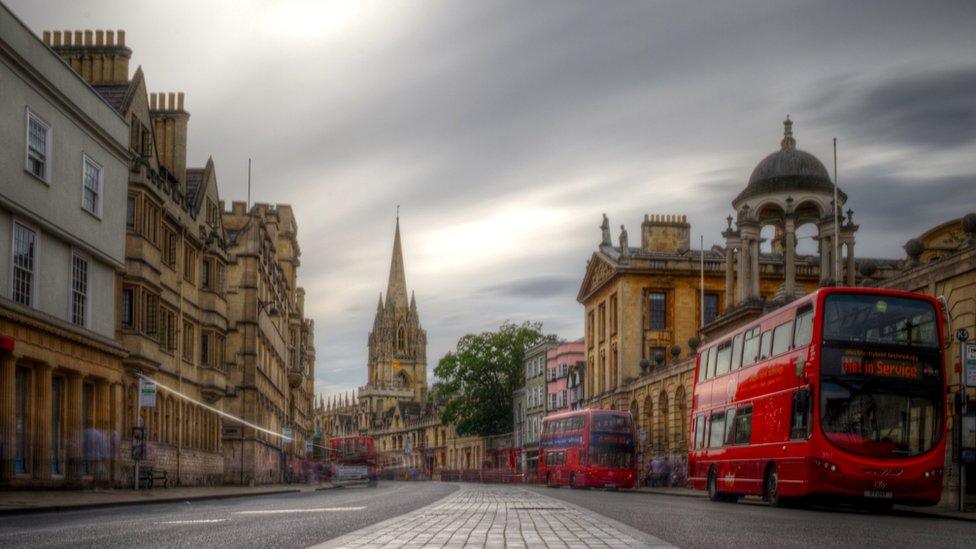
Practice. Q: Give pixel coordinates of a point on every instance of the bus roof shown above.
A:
(584, 412)
(815, 296)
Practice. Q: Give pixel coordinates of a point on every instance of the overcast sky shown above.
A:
(504, 130)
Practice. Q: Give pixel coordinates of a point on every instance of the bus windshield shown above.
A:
(611, 456)
(881, 319)
(611, 423)
(881, 391)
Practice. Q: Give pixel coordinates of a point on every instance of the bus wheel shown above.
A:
(771, 487)
(572, 481)
(714, 494)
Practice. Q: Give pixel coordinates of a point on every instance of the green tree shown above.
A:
(478, 378)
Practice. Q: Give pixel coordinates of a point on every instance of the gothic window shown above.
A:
(400, 338)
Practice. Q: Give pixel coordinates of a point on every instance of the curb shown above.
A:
(106, 504)
(678, 494)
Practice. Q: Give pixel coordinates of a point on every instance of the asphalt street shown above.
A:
(696, 522)
(285, 520)
(310, 518)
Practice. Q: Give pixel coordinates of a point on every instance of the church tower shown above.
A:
(397, 345)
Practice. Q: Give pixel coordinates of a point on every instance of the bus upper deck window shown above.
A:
(766, 345)
(803, 332)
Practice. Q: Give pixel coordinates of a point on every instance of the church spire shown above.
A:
(396, 290)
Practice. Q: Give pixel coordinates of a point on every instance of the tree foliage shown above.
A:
(478, 378)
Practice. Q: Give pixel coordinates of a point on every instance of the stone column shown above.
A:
(117, 410)
(789, 253)
(742, 265)
(754, 271)
(8, 416)
(102, 439)
(42, 422)
(851, 269)
(729, 276)
(824, 258)
(74, 439)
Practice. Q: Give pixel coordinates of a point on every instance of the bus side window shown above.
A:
(750, 348)
(729, 425)
(800, 422)
(743, 425)
(717, 427)
(700, 431)
(723, 358)
(782, 337)
(736, 352)
(766, 345)
(711, 362)
(803, 331)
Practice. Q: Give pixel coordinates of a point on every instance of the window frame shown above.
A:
(740, 413)
(805, 312)
(35, 263)
(765, 345)
(787, 330)
(86, 313)
(651, 310)
(711, 428)
(31, 114)
(807, 427)
(87, 160)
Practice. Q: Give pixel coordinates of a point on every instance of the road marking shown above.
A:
(196, 521)
(313, 510)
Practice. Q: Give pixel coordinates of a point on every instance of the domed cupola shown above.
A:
(787, 170)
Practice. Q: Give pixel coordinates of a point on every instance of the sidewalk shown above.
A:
(937, 512)
(38, 501)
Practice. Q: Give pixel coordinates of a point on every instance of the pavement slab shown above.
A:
(498, 516)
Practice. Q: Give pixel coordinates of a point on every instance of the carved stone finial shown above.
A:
(729, 221)
(605, 230)
(850, 217)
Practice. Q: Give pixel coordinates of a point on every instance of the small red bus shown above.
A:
(588, 448)
(839, 394)
(353, 458)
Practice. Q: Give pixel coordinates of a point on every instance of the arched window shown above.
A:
(664, 418)
(648, 421)
(401, 338)
(682, 408)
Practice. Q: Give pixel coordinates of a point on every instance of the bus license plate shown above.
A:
(878, 494)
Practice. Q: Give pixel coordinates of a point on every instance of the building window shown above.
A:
(169, 246)
(207, 266)
(711, 307)
(127, 307)
(20, 451)
(25, 252)
(38, 146)
(613, 314)
(130, 213)
(150, 326)
(189, 263)
(657, 312)
(147, 143)
(188, 340)
(167, 326)
(92, 187)
(204, 348)
(589, 329)
(602, 322)
(79, 290)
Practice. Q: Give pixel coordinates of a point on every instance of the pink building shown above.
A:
(561, 361)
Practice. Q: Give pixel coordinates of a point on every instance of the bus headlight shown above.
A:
(931, 473)
(825, 465)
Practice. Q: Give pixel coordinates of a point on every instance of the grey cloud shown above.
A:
(538, 287)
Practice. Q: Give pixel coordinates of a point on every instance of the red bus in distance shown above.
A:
(588, 449)
(840, 394)
(353, 459)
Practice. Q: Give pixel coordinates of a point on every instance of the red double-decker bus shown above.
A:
(353, 459)
(839, 394)
(588, 448)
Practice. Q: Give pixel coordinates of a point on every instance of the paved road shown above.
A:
(430, 513)
(286, 520)
(696, 522)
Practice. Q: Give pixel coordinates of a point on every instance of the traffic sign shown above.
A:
(962, 334)
(147, 393)
(286, 432)
(969, 363)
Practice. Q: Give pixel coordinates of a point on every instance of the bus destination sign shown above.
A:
(857, 362)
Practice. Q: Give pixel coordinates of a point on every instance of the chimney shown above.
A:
(665, 233)
(97, 55)
(169, 120)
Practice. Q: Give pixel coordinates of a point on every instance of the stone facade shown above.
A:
(270, 345)
(171, 307)
(560, 363)
(63, 165)
(942, 263)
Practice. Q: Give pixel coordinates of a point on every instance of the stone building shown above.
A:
(63, 161)
(942, 262)
(394, 406)
(560, 362)
(269, 347)
(647, 308)
(535, 402)
(171, 307)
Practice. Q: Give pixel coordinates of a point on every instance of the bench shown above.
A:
(149, 476)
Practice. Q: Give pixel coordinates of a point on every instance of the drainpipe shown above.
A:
(179, 359)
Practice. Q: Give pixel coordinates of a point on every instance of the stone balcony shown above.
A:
(213, 383)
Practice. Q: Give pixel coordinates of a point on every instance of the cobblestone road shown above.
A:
(498, 516)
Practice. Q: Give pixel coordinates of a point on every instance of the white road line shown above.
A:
(312, 510)
(196, 521)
